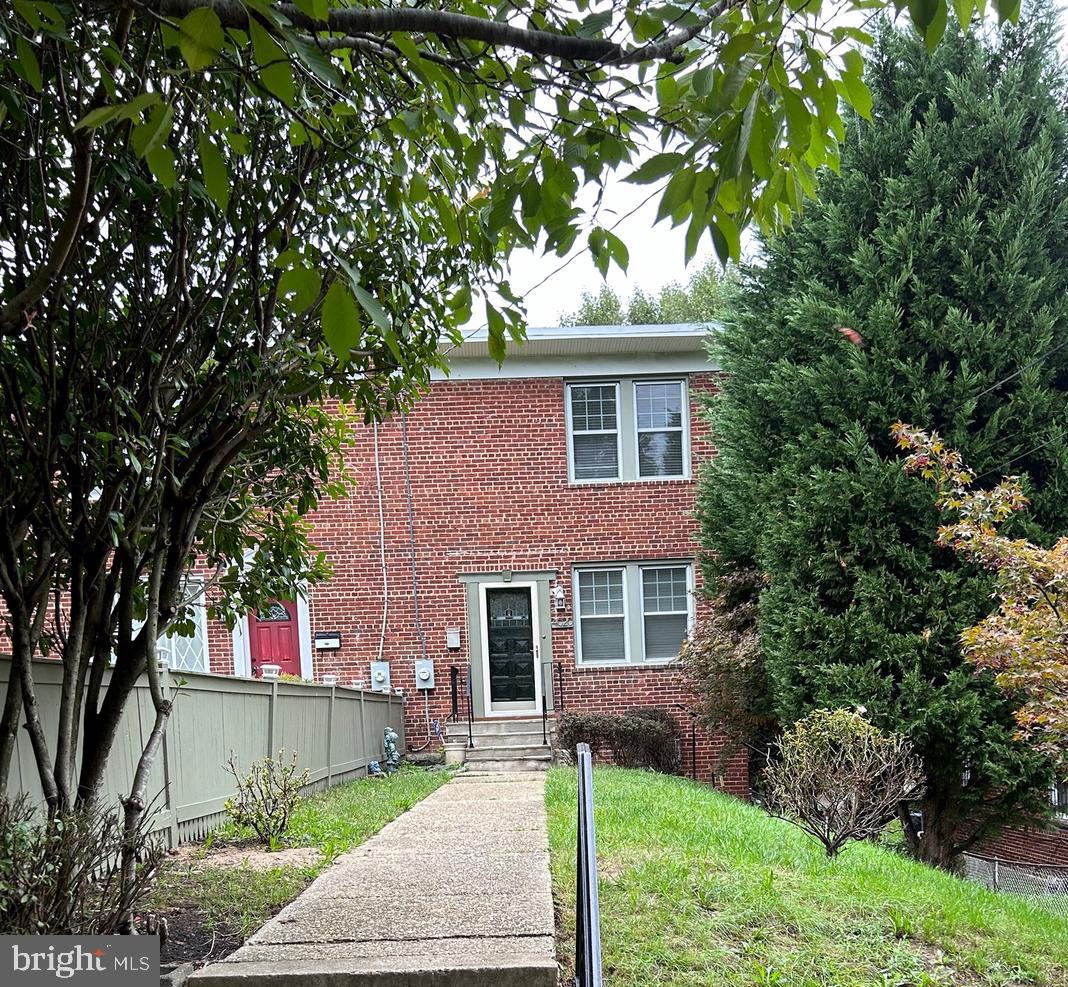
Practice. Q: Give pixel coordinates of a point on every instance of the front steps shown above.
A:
(508, 745)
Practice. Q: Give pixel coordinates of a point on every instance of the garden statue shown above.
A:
(389, 743)
(374, 769)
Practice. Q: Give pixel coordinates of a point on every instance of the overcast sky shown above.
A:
(656, 254)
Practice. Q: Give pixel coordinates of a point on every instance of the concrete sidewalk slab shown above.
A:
(454, 893)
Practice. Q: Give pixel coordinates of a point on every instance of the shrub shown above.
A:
(723, 661)
(266, 796)
(839, 778)
(61, 876)
(640, 738)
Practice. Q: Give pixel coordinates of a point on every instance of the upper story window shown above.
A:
(628, 430)
(632, 613)
(594, 431)
(661, 437)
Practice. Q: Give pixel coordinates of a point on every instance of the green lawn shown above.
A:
(239, 899)
(698, 888)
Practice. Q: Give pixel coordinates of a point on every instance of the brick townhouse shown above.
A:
(531, 525)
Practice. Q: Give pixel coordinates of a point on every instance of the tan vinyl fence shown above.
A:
(335, 732)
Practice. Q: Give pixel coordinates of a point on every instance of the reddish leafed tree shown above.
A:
(1024, 642)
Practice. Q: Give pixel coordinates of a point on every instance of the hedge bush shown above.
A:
(646, 737)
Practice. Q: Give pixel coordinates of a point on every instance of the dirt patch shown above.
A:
(252, 856)
(188, 941)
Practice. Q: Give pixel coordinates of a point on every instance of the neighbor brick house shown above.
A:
(531, 523)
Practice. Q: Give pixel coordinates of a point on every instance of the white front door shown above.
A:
(510, 666)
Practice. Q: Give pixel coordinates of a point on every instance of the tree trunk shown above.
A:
(937, 843)
(23, 666)
(9, 725)
(100, 727)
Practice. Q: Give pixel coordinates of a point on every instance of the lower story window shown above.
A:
(1059, 794)
(632, 613)
(185, 645)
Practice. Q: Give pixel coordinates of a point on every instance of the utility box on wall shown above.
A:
(380, 676)
(424, 673)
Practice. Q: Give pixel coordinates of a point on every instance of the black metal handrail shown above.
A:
(693, 738)
(461, 685)
(587, 904)
(558, 698)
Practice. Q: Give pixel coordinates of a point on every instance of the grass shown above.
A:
(697, 888)
(240, 899)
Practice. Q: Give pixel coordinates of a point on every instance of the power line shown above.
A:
(1023, 455)
(556, 270)
(1027, 366)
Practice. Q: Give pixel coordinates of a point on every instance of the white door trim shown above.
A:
(483, 619)
(243, 656)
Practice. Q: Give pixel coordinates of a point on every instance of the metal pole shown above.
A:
(693, 747)
(588, 909)
(470, 711)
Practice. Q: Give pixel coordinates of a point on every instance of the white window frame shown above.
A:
(633, 637)
(1062, 808)
(199, 604)
(627, 458)
(579, 660)
(570, 426)
(688, 566)
(683, 429)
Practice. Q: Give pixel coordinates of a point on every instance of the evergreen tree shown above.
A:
(929, 284)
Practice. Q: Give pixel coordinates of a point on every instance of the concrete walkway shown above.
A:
(454, 892)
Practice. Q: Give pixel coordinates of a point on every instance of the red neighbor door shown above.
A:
(273, 637)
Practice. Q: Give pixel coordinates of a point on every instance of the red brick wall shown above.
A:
(488, 461)
(1031, 846)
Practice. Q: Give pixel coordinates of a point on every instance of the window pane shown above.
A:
(659, 405)
(593, 407)
(596, 457)
(663, 636)
(665, 590)
(1060, 797)
(602, 639)
(188, 654)
(660, 454)
(600, 592)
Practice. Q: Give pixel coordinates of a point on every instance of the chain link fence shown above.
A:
(1044, 884)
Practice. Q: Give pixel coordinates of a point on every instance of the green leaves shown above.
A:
(340, 321)
(853, 88)
(200, 38)
(372, 307)
(149, 142)
(118, 111)
(29, 67)
(276, 74)
(495, 341)
(606, 247)
(301, 284)
(657, 167)
(154, 131)
(213, 168)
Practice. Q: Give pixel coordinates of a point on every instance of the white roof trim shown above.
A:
(580, 341)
